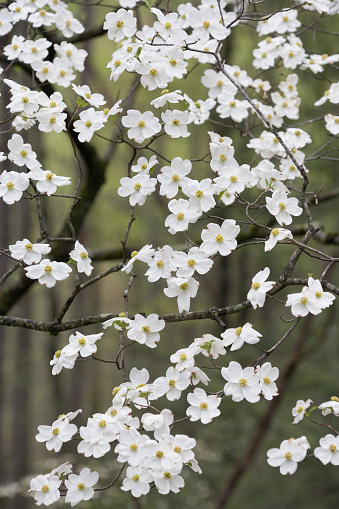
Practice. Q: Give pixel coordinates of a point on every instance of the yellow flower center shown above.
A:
(145, 329)
(141, 124)
(199, 193)
(175, 121)
(177, 449)
(219, 238)
(256, 285)
(82, 341)
(137, 186)
(117, 63)
(160, 263)
(183, 286)
(102, 423)
(275, 232)
(288, 456)
(119, 24)
(332, 447)
(113, 412)
(173, 62)
(159, 454)
(55, 431)
(233, 178)
(183, 357)
(52, 120)
(206, 24)
(191, 262)
(180, 216)
(153, 72)
(175, 178)
(45, 488)
(133, 447)
(57, 354)
(83, 255)
(168, 24)
(238, 331)
(136, 478)
(303, 300)
(242, 382)
(266, 380)
(10, 185)
(171, 383)
(81, 486)
(48, 269)
(88, 123)
(318, 294)
(167, 474)
(282, 205)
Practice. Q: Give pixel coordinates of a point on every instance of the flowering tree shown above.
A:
(224, 204)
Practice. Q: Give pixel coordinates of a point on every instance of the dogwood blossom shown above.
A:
(259, 288)
(61, 431)
(27, 252)
(219, 239)
(146, 330)
(80, 487)
(241, 383)
(47, 181)
(81, 344)
(240, 335)
(202, 407)
(299, 410)
(287, 456)
(45, 489)
(48, 273)
(182, 288)
(80, 255)
(137, 188)
(142, 125)
(12, 186)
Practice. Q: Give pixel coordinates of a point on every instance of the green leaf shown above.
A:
(70, 261)
(220, 195)
(144, 394)
(149, 3)
(138, 51)
(81, 103)
(310, 411)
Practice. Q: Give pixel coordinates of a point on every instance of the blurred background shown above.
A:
(232, 449)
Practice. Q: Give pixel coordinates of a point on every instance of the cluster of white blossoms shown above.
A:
(45, 271)
(292, 451)
(176, 42)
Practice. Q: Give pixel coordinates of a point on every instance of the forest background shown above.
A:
(232, 449)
